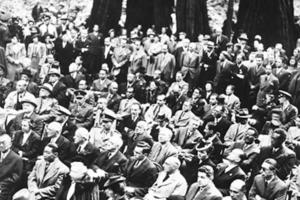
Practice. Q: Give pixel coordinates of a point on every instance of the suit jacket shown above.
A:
(138, 61)
(174, 185)
(285, 158)
(59, 92)
(129, 123)
(115, 164)
(294, 89)
(83, 115)
(31, 148)
(36, 50)
(209, 192)
(153, 111)
(184, 140)
(166, 63)
(88, 155)
(223, 75)
(159, 153)
(16, 124)
(10, 172)
(222, 126)
(70, 82)
(190, 63)
(64, 55)
(266, 85)
(220, 42)
(254, 75)
(49, 180)
(275, 190)
(182, 119)
(284, 78)
(236, 132)
(114, 102)
(133, 139)
(289, 116)
(232, 102)
(141, 176)
(101, 87)
(125, 106)
(223, 179)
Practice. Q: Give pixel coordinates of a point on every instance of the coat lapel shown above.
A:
(51, 171)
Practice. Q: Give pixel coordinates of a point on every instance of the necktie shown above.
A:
(181, 115)
(71, 190)
(166, 177)
(156, 111)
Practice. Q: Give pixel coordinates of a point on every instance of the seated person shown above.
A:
(169, 182)
(208, 189)
(237, 190)
(47, 174)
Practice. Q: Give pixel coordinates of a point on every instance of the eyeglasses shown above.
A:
(233, 191)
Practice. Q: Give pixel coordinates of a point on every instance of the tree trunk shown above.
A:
(105, 13)
(228, 22)
(272, 19)
(192, 17)
(162, 13)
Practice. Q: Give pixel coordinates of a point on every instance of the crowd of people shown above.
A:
(87, 115)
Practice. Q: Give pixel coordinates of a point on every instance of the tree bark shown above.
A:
(105, 13)
(272, 19)
(192, 17)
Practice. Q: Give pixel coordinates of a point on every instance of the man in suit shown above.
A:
(65, 148)
(182, 117)
(102, 84)
(36, 52)
(179, 83)
(290, 112)
(222, 123)
(294, 89)
(223, 72)
(113, 99)
(140, 172)
(229, 171)
(168, 183)
(237, 190)
(160, 108)
(166, 63)
(254, 77)
(72, 79)
(231, 100)
(268, 83)
(11, 167)
(187, 137)
(28, 106)
(127, 102)
(282, 74)
(47, 174)
(132, 138)
(267, 185)
(27, 144)
(110, 159)
(220, 40)
(86, 152)
(285, 157)
(162, 86)
(59, 88)
(204, 188)
(64, 53)
(163, 149)
(138, 59)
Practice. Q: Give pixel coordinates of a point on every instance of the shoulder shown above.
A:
(62, 167)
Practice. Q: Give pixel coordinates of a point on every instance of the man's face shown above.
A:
(259, 61)
(203, 180)
(168, 167)
(163, 137)
(82, 85)
(48, 154)
(53, 78)
(249, 136)
(21, 87)
(178, 77)
(129, 93)
(208, 87)
(160, 100)
(186, 106)
(25, 126)
(236, 193)
(228, 90)
(1, 72)
(51, 133)
(202, 155)
(102, 103)
(102, 74)
(113, 88)
(266, 171)
(77, 139)
(196, 94)
(213, 100)
(43, 93)
(4, 144)
(28, 107)
(194, 124)
(130, 78)
(109, 145)
(140, 129)
(138, 153)
(276, 140)
(107, 124)
(268, 69)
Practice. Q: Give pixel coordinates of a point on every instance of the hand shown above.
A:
(100, 173)
(129, 189)
(255, 107)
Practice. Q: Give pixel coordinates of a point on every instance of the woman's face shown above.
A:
(14, 40)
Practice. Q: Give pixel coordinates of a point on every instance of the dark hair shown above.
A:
(118, 188)
(206, 169)
(273, 164)
(259, 55)
(281, 132)
(145, 146)
(53, 147)
(211, 126)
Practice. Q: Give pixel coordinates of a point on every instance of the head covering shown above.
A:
(244, 37)
(243, 113)
(73, 67)
(48, 87)
(62, 110)
(26, 72)
(22, 194)
(31, 101)
(54, 71)
(78, 170)
(56, 126)
(284, 93)
(109, 115)
(114, 180)
(82, 132)
(79, 94)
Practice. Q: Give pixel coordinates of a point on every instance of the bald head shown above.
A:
(5, 142)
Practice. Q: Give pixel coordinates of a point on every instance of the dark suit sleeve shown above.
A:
(34, 149)
(10, 180)
(89, 120)
(253, 191)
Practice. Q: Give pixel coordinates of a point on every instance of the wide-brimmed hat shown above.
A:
(114, 180)
(48, 87)
(54, 71)
(284, 93)
(244, 37)
(243, 113)
(31, 101)
(109, 116)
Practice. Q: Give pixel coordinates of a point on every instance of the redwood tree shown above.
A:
(272, 19)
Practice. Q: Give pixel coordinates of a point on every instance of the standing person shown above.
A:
(15, 52)
(11, 167)
(36, 52)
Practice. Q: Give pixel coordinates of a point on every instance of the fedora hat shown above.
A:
(243, 113)
(55, 72)
(48, 87)
(31, 101)
(284, 93)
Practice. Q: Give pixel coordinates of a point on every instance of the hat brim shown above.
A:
(57, 74)
(109, 183)
(45, 88)
(22, 102)
(243, 116)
